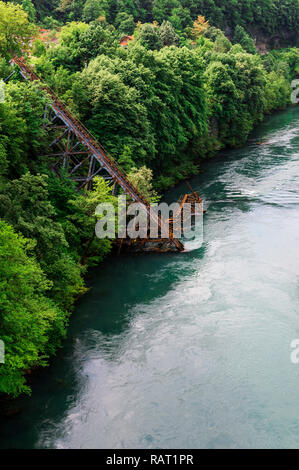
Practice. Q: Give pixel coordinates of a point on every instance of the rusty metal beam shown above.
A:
(74, 128)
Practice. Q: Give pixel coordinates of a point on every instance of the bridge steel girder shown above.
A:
(96, 157)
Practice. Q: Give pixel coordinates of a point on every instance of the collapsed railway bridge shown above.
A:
(83, 158)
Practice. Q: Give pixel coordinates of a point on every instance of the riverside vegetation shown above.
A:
(189, 83)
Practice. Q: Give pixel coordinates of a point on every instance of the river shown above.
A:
(189, 350)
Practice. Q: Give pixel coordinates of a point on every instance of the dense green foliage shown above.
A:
(31, 324)
(275, 21)
(15, 29)
(166, 101)
(183, 88)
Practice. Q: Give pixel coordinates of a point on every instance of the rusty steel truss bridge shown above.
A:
(77, 151)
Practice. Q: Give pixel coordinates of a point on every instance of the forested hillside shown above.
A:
(274, 20)
(188, 81)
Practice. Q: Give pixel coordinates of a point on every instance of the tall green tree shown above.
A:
(29, 8)
(15, 29)
(243, 38)
(93, 9)
(25, 204)
(149, 36)
(92, 250)
(113, 109)
(168, 34)
(31, 325)
(21, 131)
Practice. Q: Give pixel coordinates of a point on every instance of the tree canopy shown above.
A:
(15, 29)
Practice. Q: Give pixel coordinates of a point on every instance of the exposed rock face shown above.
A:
(265, 43)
